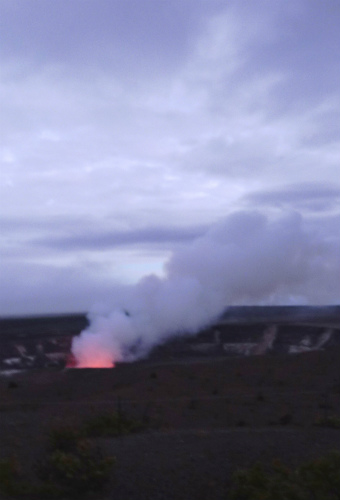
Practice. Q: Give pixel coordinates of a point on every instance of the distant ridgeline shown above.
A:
(38, 326)
(73, 324)
(41, 342)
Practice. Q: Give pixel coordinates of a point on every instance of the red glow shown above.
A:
(89, 362)
(71, 361)
(95, 363)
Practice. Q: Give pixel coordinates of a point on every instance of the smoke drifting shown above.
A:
(245, 259)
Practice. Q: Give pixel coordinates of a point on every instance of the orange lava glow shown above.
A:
(95, 362)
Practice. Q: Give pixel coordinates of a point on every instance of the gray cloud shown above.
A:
(128, 126)
(310, 197)
(121, 37)
(103, 240)
(286, 41)
(33, 287)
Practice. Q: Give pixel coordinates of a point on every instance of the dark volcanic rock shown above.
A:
(45, 341)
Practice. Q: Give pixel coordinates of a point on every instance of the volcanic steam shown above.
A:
(245, 259)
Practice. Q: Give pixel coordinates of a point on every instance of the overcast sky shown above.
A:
(129, 127)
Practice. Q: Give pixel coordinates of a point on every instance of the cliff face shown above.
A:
(248, 339)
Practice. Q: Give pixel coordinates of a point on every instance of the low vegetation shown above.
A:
(332, 422)
(110, 425)
(72, 466)
(63, 438)
(9, 475)
(81, 470)
(318, 479)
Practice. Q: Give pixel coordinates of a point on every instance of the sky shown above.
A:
(130, 128)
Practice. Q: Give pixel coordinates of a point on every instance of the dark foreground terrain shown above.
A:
(203, 419)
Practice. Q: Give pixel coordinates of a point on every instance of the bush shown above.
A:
(319, 479)
(333, 422)
(63, 439)
(83, 470)
(322, 477)
(72, 467)
(9, 473)
(112, 424)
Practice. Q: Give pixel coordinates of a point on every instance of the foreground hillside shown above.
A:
(202, 419)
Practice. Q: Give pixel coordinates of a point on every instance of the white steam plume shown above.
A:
(246, 259)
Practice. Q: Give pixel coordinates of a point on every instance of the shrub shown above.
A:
(74, 473)
(63, 439)
(112, 424)
(332, 421)
(72, 467)
(322, 477)
(257, 484)
(12, 482)
(319, 479)
(9, 473)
